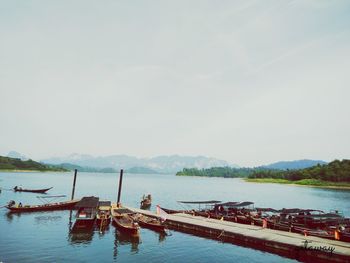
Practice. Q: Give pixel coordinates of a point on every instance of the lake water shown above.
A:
(45, 236)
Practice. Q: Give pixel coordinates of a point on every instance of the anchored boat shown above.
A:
(40, 191)
(146, 201)
(103, 215)
(19, 208)
(149, 222)
(124, 222)
(86, 214)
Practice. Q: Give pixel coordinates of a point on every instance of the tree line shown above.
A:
(336, 171)
(227, 172)
(7, 163)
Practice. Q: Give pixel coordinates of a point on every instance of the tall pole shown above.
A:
(120, 186)
(75, 179)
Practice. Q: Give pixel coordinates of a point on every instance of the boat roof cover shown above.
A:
(104, 203)
(267, 209)
(297, 210)
(200, 202)
(88, 201)
(237, 204)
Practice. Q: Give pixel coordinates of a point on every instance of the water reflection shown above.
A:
(102, 231)
(9, 217)
(81, 237)
(122, 239)
(162, 237)
(45, 219)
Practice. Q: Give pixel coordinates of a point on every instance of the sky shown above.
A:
(249, 82)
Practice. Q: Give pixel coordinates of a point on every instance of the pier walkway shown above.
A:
(291, 245)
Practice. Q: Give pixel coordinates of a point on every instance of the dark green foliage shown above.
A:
(226, 172)
(336, 171)
(7, 163)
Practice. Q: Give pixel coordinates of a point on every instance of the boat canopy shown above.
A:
(236, 204)
(200, 202)
(268, 209)
(88, 202)
(298, 210)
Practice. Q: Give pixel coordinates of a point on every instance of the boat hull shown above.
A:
(83, 224)
(130, 230)
(152, 226)
(69, 205)
(42, 191)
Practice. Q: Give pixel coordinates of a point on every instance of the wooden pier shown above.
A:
(291, 245)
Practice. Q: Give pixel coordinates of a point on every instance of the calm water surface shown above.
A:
(45, 237)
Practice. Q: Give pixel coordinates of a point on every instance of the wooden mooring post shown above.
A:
(120, 186)
(74, 181)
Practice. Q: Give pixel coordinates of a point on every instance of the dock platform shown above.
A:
(291, 245)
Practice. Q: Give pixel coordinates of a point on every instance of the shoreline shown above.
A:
(286, 182)
(30, 171)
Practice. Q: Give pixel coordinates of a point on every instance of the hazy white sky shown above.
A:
(251, 82)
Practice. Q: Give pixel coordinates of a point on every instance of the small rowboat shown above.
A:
(103, 215)
(149, 222)
(146, 201)
(124, 222)
(19, 208)
(40, 191)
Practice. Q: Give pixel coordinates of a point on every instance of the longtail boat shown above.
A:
(19, 208)
(124, 222)
(40, 191)
(149, 222)
(199, 212)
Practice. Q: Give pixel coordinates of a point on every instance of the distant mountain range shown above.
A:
(293, 165)
(159, 164)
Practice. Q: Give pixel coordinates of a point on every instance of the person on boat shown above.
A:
(15, 188)
(19, 204)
